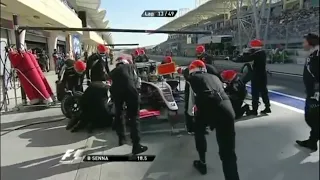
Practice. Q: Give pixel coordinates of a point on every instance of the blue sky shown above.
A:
(128, 15)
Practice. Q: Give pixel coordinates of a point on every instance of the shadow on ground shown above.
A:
(18, 123)
(47, 166)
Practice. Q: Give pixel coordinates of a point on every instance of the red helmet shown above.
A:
(136, 52)
(179, 70)
(228, 75)
(142, 52)
(256, 44)
(197, 66)
(102, 48)
(200, 49)
(80, 66)
(167, 59)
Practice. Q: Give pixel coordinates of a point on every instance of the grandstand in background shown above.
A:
(283, 26)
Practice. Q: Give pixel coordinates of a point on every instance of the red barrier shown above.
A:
(16, 60)
(29, 76)
(42, 76)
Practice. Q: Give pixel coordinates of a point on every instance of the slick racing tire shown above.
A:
(70, 105)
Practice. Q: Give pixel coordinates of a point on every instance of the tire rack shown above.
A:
(19, 29)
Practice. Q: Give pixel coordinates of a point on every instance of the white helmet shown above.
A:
(121, 60)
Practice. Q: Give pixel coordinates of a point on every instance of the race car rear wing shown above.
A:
(164, 69)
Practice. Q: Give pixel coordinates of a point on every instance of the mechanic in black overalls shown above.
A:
(203, 55)
(136, 56)
(70, 77)
(124, 90)
(311, 82)
(214, 109)
(259, 75)
(236, 90)
(189, 119)
(97, 64)
(144, 56)
(94, 112)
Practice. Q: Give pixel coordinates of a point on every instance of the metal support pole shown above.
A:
(122, 44)
(287, 35)
(239, 25)
(256, 20)
(111, 30)
(265, 36)
(18, 46)
(4, 84)
(262, 11)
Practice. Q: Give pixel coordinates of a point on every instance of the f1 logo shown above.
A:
(73, 155)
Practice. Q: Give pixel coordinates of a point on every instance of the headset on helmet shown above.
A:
(256, 44)
(102, 48)
(228, 75)
(80, 66)
(136, 52)
(167, 59)
(142, 52)
(197, 66)
(200, 49)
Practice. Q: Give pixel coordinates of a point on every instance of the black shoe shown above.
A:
(189, 130)
(308, 144)
(252, 113)
(137, 149)
(200, 166)
(266, 110)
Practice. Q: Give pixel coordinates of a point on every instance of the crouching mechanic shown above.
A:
(236, 90)
(124, 90)
(214, 109)
(94, 110)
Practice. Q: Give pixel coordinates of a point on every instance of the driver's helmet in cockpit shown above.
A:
(153, 68)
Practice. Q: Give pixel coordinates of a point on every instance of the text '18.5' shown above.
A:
(119, 158)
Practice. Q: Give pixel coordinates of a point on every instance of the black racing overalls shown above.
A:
(124, 91)
(311, 81)
(237, 93)
(259, 76)
(207, 58)
(214, 109)
(97, 67)
(189, 119)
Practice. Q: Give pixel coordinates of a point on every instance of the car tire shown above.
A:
(70, 105)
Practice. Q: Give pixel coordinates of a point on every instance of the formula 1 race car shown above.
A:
(156, 94)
